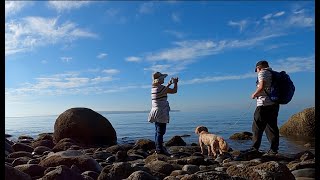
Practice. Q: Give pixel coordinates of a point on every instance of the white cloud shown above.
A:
(71, 83)
(290, 65)
(242, 24)
(101, 79)
(300, 20)
(133, 59)
(146, 8)
(299, 11)
(13, 7)
(67, 5)
(175, 33)
(296, 64)
(31, 32)
(218, 78)
(111, 71)
(102, 55)
(266, 17)
(114, 15)
(190, 50)
(279, 14)
(44, 62)
(175, 17)
(66, 59)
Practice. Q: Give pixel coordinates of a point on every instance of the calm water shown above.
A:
(133, 126)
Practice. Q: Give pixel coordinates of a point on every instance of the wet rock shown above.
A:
(21, 160)
(62, 172)
(14, 174)
(101, 155)
(246, 156)
(20, 154)
(22, 147)
(43, 142)
(160, 166)
(301, 165)
(118, 171)
(267, 170)
(25, 137)
(156, 157)
(64, 144)
(114, 149)
(306, 172)
(304, 155)
(140, 175)
(178, 172)
(92, 174)
(176, 141)
(241, 136)
(191, 169)
(31, 169)
(70, 157)
(145, 144)
(7, 146)
(41, 149)
(121, 156)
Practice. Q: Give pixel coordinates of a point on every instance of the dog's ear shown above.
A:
(197, 130)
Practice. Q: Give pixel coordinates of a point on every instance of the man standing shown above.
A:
(266, 113)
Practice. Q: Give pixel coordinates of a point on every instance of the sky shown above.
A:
(101, 54)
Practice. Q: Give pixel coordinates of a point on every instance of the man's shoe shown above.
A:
(270, 153)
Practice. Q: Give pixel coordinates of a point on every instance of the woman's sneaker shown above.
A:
(163, 151)
(270, 153)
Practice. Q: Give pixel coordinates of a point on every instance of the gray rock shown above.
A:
(307, 172)
(191, 169)
(14, 174)
(140, 175)
(95, 128)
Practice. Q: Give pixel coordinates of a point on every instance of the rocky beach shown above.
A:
(84, 146)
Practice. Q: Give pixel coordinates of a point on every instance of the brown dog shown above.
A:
(212, 141)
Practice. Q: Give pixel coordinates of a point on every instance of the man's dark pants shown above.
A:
(266, 119)
(160, 131)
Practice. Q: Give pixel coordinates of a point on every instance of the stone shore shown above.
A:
(43, 159)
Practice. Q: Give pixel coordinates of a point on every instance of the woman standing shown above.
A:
(159, 113)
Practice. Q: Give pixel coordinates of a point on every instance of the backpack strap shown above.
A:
(271, 81)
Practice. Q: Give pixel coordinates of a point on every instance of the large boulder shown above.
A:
(85, 126)
(300, 124)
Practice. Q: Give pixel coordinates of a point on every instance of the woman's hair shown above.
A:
(156, 81)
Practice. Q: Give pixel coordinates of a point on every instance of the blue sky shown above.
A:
(101, 54)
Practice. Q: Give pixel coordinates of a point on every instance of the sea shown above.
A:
(133, 125)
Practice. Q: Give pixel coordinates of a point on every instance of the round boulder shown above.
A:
(300, 124)
(85, 126)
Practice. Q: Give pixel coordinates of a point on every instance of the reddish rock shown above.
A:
(31, 169)
(267, 170)
(43, 142)
(20, 160)
(302, 124)
(20, 154)
(70, 157)
(22, 147)
(176, 141)
(41, 149)
(62, 173)
(64, 144)
(85, 126)
(14, 174)
(145, 144)
(161, 167)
